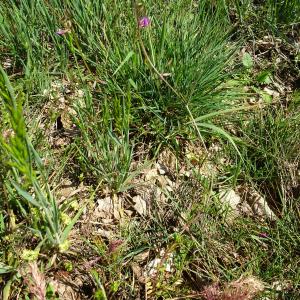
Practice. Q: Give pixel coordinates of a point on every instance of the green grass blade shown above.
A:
(126, 59)
(26, 195)
(221, 132)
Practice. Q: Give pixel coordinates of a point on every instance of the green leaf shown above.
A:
(100, 293)
(68, 228)
(247, 60)
(264, 77)
(133, 84)
(6, 290)
(30, 255)
(220, 113)
(25, 195)
(266, 97)
(4, 269)
(128, 56)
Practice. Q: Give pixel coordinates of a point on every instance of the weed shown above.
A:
(22, 157)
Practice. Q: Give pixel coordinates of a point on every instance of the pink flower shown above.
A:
(114, 245)
(144, 22)
(263, 235)
(62, 31)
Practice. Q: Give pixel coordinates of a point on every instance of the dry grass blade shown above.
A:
(35, 281)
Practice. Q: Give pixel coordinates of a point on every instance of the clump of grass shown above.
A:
(174, 64)
(270, 155)
(174, 67)
(29, 183)
(283, 12)
(107, 153)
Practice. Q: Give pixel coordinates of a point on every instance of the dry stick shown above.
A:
(185, 101)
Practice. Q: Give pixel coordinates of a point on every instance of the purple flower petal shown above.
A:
(144, 22)
(62, 31)
(114, 245)
(263, 235)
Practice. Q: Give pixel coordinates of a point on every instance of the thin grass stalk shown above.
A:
(177, 93)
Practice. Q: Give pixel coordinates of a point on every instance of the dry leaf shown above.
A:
(150, 174)
(141, 257)
(140, 205)
(258, 203)
(104, 207)
(246, 288)
(138, 272)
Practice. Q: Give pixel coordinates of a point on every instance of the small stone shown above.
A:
(162, 170)
(231, 198)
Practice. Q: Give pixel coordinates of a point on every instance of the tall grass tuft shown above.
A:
(27, 173)
(107, 153)
(174, 67)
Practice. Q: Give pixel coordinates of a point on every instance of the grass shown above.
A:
(21, 157)
(119, 140)
(278, 13)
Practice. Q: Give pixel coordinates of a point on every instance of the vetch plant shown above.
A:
(144, 22)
